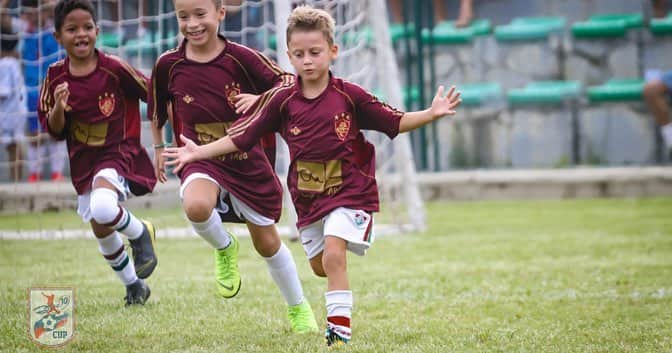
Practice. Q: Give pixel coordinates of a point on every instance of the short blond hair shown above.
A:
(306, 18)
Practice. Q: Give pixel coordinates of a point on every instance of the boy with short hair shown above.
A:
(91, 100)
(202, 86)
(332, 169)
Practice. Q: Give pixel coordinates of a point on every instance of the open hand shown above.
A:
(244, 102)
(178, 157)
(442, 106)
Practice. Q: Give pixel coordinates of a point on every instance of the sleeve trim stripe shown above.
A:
(266, 61)
(266, 98)
(126, 66)
(247, 75)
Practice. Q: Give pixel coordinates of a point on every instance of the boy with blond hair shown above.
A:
(332, 169)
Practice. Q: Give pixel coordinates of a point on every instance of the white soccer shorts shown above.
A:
(353, 226)
(239, 207)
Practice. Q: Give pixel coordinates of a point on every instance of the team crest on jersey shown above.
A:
(106, 104)
(342, 125)
(51, 315)
(188, 99)
(231, 92)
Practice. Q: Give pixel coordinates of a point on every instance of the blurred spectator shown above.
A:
(657, 93)
(39, 49)
(659, 8)
(464, 18)
(12, 101)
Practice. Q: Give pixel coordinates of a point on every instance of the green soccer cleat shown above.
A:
(144, 256)
(226, 270)
(301, 318)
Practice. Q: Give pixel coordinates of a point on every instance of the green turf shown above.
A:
(556, 276)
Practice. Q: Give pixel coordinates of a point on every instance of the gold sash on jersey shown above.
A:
(319, 176)
(211, 132)
(89, 134)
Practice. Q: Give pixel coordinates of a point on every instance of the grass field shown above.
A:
(555, 276)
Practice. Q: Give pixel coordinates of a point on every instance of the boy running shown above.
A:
(91, 100)
(332, 168)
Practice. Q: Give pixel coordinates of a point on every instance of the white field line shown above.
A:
(177, 233)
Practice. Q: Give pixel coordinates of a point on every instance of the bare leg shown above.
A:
(15, 165)
(396, 10)
(266, 239)
(659, 8)
(655, 94)
(439, 11)
(334, 263)
(466, 13)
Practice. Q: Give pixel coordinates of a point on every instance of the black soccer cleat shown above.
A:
(144, 256)
(137, 293)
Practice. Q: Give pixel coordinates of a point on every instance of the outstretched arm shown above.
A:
(179, 156)
(441, 106)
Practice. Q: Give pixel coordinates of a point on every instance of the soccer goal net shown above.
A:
(139, 31)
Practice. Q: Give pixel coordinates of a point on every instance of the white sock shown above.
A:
(33, 159)
(124, 221)
(133, 228)
(57, 155)
(282, 268)
(339, 312)
(666, 131)
(213, 231)
(112, 248)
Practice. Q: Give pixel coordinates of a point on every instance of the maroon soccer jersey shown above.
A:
(201, 96)
(102, 122)
(332, 165)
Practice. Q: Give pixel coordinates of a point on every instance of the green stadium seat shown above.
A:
(661, 26)
(609, 25)
(109, 40)
(446, 32)
(477, 94)
(530, 28)
(545, 92)
(617, 90)
(411, 95)
(148, 42)
(397, 32)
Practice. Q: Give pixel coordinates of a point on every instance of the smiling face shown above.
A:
(199, 20)
(311, 54)
(78, 34)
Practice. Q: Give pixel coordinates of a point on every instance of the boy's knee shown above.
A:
(197, 210)
(104, 205)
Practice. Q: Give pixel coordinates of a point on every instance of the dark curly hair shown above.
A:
(64, 7)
